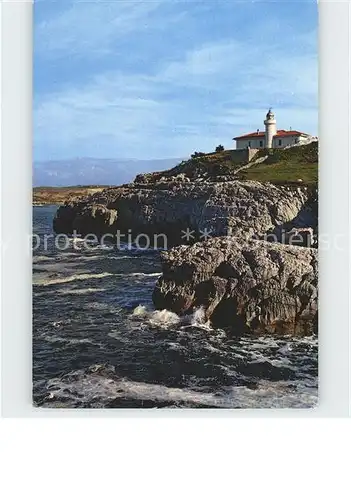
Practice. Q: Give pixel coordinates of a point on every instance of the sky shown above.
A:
(163, 78)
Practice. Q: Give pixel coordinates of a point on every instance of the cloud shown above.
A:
(91, 28)
(247, 76)
(203, 92)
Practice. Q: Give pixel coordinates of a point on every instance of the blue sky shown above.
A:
(162, 78)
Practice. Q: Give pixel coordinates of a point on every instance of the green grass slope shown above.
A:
(293, 165)
(297, 164)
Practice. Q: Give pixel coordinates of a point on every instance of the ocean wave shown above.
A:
(134, 248)
(88, 258)
(53, 339)
(165, 319)
(122, 257)
(74, 277)
(81, 291)
(103, 306)
(151, 275)
(52, 267)
(42, 258)
(98, 387)
(198, 319)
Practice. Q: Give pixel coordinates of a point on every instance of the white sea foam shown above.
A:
(88, 257)
(133, 248)
(42, 258)
(80, 291)
(138, 275)
(64, 255)
(51, 267)
(140, 312)
(44, 279)
(163, 318)
(103, 306)
(98, 389)
(286, 349)
(53, 339)
(122, 257)
(151, 275)
(74, 277)
(102, 256)
(75, 239)
(198, 319)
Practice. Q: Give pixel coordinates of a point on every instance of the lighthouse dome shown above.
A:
(270, 115)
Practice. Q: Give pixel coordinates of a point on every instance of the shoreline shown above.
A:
(58, 195)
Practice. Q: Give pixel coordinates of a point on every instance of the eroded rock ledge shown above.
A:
(240, 208)
(248, 285)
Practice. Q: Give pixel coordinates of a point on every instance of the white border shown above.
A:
(16, 18)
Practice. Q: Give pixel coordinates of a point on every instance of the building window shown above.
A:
(296, 140)
(261, 144)
(279, 142)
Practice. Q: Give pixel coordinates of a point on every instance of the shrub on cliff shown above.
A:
(198, 154)
(219, 148)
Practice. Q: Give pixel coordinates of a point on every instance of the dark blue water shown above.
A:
(98, 343)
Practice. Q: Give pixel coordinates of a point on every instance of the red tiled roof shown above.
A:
(287, 133)
(252, 134)
(280, 133)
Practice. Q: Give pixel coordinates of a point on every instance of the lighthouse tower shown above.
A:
(271, 128)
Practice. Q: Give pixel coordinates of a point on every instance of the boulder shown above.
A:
(249, 286)
(90, 218)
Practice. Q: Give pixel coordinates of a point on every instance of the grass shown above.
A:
(283, 166)
(282, 172)
(293, 165)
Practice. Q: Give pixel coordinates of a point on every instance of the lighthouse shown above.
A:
(271, 128)
(272, 138)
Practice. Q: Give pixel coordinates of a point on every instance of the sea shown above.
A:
(98, 342)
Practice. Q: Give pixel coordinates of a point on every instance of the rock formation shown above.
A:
(256, 273)
(249, 286)
(220, 208)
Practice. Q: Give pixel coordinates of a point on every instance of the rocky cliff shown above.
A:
(218, 208)
(242, 276)
(249, 286)
(212, 193)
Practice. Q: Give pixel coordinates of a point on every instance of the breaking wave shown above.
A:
(81, 291)
(164, 318)
(68, 279)
(99, 387)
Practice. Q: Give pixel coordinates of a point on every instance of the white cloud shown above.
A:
(90, 28)
(249, 74)
(206, 61)
(191, 102)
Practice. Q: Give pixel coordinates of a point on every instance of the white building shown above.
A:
(271, 137)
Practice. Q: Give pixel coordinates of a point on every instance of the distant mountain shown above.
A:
(94, 171)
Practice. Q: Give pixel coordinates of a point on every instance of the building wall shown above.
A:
(271, 130)
(243, 155)
(285, 141)
(255, 143)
